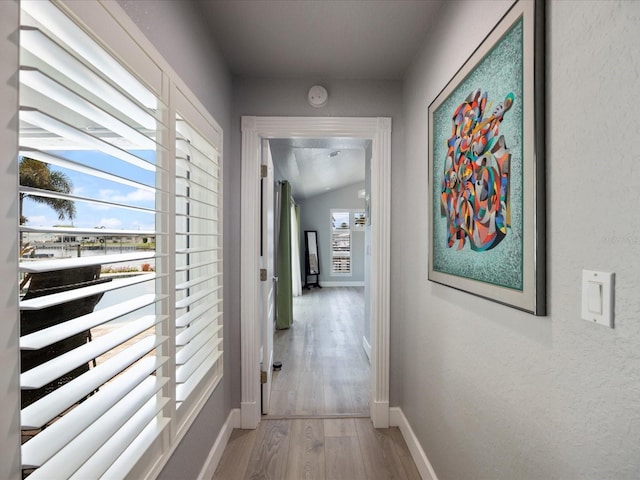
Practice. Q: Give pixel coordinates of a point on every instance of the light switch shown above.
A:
(598, 297)
(594, 297)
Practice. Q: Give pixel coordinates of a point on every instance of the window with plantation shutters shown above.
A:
(120, 266)
(340, 242)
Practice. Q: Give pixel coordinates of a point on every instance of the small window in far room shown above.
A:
(359, 219)
(340, 242)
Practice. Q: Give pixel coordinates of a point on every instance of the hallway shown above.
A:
(318, 427)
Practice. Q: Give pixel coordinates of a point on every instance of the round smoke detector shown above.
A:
(317, 96)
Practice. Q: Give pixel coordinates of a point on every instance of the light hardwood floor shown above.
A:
(317, 449)
(324, 368)
(318, 428)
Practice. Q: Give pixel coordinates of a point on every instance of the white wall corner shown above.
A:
(213, 459)
(367, 347)
(397, 419)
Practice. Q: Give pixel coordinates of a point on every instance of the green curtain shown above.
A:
(284, 296)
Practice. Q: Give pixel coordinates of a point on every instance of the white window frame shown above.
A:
(9, 374)
(110, 25)
(343, 231)
(358, 226)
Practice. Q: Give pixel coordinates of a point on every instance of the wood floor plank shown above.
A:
(235, 459)
(338, 398)
(310, 396)
(340, 427)
(379, 455)
(343, 458)
(402, 450)
(306, 452)
(288, 376)
(285, 400)
(268, 459)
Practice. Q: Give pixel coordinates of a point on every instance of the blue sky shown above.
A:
(92, 215)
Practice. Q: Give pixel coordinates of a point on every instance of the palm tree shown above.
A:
(37, 174)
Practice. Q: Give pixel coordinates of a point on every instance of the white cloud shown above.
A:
(38, 220)
(110, 223)
(135, 196)
(102, 195)
(143, 226)
(96, 206)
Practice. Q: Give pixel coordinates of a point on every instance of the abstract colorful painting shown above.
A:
(474, 195)
(486, 170)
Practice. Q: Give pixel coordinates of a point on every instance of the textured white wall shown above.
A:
(492, 392)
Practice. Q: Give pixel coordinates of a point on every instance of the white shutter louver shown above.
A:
(198, 260)
(91, 306)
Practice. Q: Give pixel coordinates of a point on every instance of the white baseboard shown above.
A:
(397, 419)
(367, 347)
(210, 465)
(341, 284)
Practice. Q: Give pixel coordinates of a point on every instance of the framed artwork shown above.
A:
(486, 167)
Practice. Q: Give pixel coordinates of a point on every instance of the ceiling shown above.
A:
(354, 39)
(315, 166)
(315, 39)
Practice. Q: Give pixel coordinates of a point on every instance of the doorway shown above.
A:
(254, 130)
(321, 347)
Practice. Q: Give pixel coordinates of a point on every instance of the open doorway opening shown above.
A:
(322, 337)
(325, 371)
(254, 131)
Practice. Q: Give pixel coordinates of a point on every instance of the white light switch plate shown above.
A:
(598, 297)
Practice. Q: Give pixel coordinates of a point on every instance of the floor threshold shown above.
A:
(319, 416)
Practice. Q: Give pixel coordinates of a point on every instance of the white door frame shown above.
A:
(254, 129)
